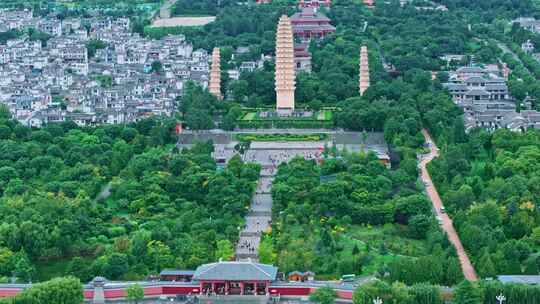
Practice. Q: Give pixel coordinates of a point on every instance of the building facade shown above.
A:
(483, 95)
(235, 278)
(309, 24)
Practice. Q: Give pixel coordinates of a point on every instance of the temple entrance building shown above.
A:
(235, 278)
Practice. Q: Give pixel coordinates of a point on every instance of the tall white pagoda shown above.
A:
(285, 69)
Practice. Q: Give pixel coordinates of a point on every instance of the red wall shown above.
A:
(344, 294)
(152, 291)
(290, 291)
(114, 293)
(184, 290)
(172, 290)
(88, 294)
(9, 292)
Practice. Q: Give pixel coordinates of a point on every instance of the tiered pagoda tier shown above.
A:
(314, 3)
(215, 75)
(364, 70)
(309, 23)
(285, 67)
(369, 3)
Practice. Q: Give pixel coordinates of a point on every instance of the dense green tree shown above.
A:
(93, 45)
(468, 293)
(486, 268)
(135, 293)
(225, 250)
(323, 295)
(60, 290)
(23, 269)
(419, 226)
(157, 67)
(425, 294)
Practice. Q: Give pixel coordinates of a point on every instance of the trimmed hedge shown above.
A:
(300, 124)
(282, 137)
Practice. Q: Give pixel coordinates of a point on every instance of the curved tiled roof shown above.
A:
(470, 70)
(475, 79)
(477, 93)
(236, 271)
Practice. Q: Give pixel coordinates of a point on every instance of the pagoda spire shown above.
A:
(215, 74)
(364, 70)
(285, 68)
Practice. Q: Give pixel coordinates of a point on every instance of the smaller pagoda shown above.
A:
(364, 70)
(369, 3)
(215, 75)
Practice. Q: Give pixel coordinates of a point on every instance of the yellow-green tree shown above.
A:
(135, 293)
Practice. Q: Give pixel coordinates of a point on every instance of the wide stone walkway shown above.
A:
(259, 219)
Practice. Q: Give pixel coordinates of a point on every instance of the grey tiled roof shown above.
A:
(470, 70)
(520, 279)
(455, 86)
(236, 271)
(496, 86)
(475, 79)
(477, 93)
(166, 272)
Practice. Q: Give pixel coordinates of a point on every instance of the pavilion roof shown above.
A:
(309, 14)
(235, 271)
(311, 27)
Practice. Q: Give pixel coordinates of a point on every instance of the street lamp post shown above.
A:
(500, 298)
(377, 301)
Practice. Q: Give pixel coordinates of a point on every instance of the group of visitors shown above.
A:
(248, 245)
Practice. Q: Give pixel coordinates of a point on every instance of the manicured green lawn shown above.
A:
(324, 115)
(385, 244)
(249, 116)
(281, 137)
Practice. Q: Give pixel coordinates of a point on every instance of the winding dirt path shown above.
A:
(468, 270)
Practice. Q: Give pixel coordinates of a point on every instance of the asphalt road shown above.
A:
(446, 222)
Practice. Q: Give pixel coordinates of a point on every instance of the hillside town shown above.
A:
(127, 78)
